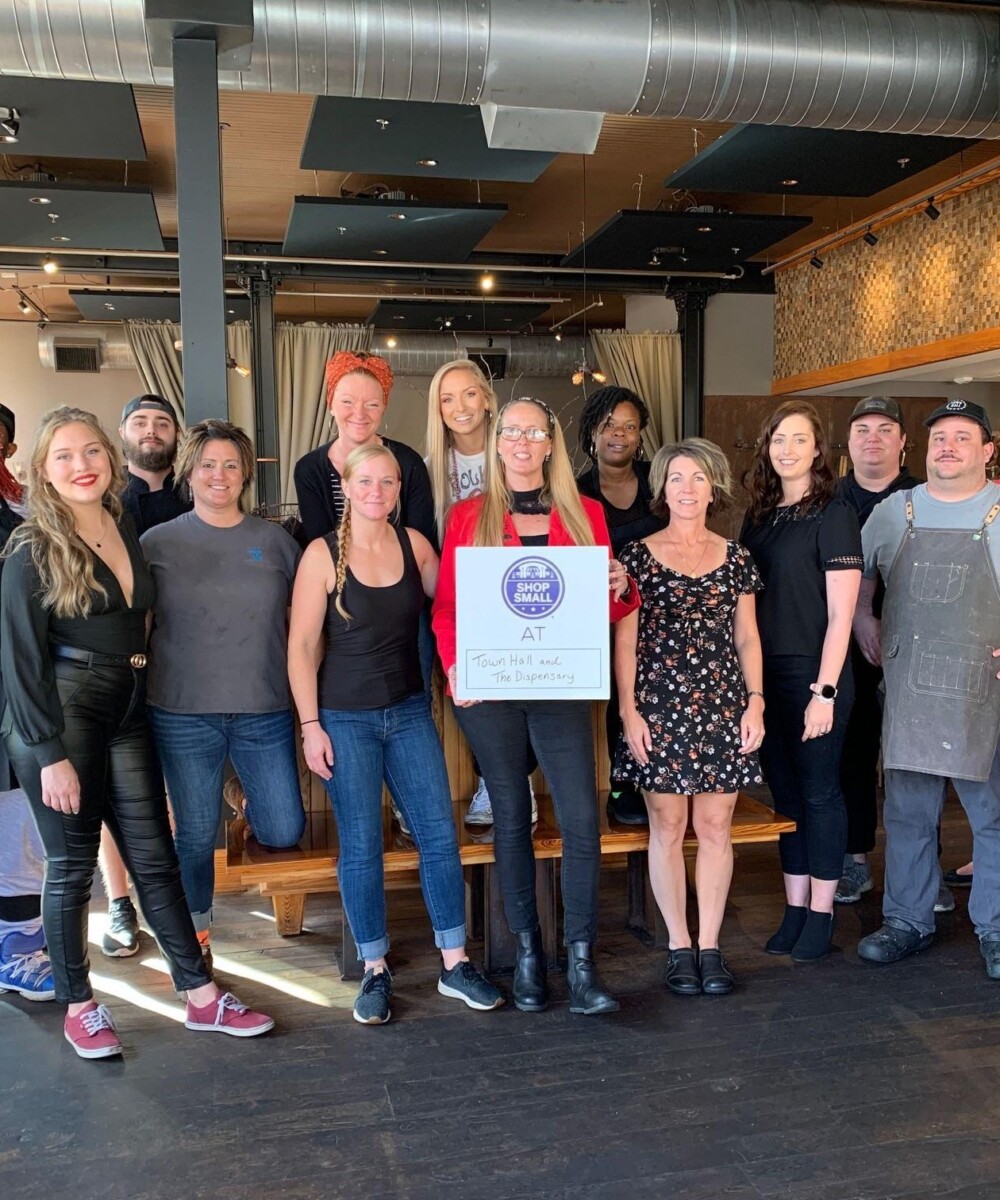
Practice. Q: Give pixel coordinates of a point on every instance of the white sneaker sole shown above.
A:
(256, 1031)
(120, 952)
(372, 1020)
(455, 994)
(479, 818)
(104, 1052)
(29, 995)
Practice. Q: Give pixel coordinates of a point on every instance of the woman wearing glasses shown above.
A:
(530, 499)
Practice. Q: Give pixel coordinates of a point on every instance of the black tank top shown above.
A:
(372, 660)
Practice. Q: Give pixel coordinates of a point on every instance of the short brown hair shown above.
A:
(214, 430)
(708, 456)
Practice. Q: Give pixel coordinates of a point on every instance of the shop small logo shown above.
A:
(955, 405)
(256, 553)
(533, 588)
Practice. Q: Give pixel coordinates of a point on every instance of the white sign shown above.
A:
(533, 623)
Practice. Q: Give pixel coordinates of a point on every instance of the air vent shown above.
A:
(78, 358)
(492, 363)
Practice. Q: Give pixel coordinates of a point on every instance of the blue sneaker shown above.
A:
(17, 942)
(30, 975)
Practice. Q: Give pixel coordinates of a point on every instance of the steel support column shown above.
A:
(691, 303)
(265, 392)
(199, 228)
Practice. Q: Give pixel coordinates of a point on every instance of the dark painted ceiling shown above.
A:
(145, 306)
(470, 317)
(390, 137)
(63, 118)
(78, 215)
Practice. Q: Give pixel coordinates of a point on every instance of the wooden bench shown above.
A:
(288, 877)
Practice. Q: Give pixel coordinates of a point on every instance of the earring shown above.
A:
(548, 456)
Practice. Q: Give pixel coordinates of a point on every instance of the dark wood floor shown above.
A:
(835, 1081)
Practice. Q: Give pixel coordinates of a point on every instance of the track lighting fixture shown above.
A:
(932, 210)
(49, 266)
(870, 238)
(816, 262)
(10, 125)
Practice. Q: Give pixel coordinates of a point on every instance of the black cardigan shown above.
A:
(316, 507)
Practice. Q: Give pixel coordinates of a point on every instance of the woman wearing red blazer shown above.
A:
(530, 499)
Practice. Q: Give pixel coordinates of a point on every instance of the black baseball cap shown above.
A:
(883, 406)
(962, 408)
(7, 420)
(148, 401)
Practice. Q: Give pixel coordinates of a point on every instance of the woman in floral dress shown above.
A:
(690, 678)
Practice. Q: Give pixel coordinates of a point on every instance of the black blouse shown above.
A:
(625, 525)
(793, 549)
(27, 629)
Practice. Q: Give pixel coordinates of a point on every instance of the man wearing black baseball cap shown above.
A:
(937, 548)
(148, 430)
(876, 442)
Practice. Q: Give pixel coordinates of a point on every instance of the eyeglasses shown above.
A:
(513, 433)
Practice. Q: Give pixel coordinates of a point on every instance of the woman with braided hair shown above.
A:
(366, 719)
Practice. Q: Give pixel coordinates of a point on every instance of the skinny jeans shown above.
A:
(108, 742)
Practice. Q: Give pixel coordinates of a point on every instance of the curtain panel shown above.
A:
(650, 365)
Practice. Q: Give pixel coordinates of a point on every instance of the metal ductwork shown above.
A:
(534, 357)
(842, 64)
(84, 346)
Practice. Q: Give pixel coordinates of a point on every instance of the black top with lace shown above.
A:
(793, 548)
(689, 687)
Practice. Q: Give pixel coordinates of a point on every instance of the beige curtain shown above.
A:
(158, 363)
(649, 364)
(301, 354)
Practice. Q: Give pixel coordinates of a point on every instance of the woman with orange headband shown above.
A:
(357, 394)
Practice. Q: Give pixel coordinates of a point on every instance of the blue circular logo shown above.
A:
(533, 588)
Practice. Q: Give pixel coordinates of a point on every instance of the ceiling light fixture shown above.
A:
(39, 200)
(963, 379)
(49, 265)
(789, 183)
(59, 237)
(397, 216)
(583, 372)
(239, 368)
(704, 228)
(109, 306)
(816, 262)
(486, 282)
(390, 343)
(380, 253)
(932, 211)
(870, 238)
(558, 336)
(24, 306)
(10, 125)
(427, 162)
(382, 123)
(179, 345)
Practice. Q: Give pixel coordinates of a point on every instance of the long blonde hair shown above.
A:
(439, 439)
(354, 461)
(64, 563)
(558, 488)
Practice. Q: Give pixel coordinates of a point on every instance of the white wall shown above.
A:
(650, 313)
(739, 345)
(30, 390)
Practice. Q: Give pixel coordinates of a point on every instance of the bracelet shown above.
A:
(314, 721)
(761, 694)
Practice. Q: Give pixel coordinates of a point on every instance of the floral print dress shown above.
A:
(689, 688)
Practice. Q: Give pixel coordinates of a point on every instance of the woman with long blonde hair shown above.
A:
(73, 604)
(366, 719)
(531, 499)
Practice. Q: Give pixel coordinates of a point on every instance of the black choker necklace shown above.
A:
(529, 504)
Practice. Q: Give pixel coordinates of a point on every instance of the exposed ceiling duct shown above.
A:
(533, 357)
(840, 64)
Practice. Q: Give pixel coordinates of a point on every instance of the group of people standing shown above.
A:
(729, 656)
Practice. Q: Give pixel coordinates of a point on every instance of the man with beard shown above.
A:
(149, 431)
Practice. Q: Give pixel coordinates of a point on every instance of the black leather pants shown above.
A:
(108, 742)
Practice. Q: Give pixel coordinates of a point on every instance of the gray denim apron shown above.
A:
(942, 710)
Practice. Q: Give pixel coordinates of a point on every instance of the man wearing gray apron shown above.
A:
(938, 551)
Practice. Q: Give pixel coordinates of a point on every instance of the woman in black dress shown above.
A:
(611, 426)
(73, 602)
(688, 665)
(807, 546)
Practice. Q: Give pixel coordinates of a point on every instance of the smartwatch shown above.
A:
(826, 692)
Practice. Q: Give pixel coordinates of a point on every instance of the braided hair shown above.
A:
(599, 406)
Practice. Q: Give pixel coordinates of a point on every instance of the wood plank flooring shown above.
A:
(833, 1081)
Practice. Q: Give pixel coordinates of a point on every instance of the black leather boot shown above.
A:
(586, 992)
(530, 990)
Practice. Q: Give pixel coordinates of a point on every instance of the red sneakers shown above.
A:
(228, 1015)
(92, 1032)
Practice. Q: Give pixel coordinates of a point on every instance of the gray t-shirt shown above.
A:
(884, 529)
(220, 641)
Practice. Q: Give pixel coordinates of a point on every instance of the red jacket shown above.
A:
(460, 530)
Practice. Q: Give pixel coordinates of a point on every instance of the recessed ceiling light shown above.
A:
(447, 322)
(49, 266)
(39, 200)
(558, 337)
(398, 317)
(109, 306)
(963, 379)
(704, 228)
(231, 312)
(60, 237)
(789, 183)
(397, 216)
(380, 252)
(427, 162)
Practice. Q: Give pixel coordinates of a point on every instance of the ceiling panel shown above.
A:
(474, 316)
(63, 118)
(406, 230)
(699, 241)
(777, 160)
(145, 306)
(102, 217)
(402, 138)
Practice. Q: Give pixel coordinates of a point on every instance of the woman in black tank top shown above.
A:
(366, 720)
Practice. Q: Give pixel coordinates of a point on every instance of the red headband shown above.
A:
(346, 362)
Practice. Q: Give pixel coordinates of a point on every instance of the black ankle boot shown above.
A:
(530, 991)
(792, 924)
(586, 992)
(815, 938)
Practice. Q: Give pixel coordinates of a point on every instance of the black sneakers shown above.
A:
(372, 1005)
(121, 940)
(467, 983)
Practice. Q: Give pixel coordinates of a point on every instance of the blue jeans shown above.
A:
(193, 749)
(398, 744)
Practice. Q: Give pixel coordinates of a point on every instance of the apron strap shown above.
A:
(908, 507)
(987, 522)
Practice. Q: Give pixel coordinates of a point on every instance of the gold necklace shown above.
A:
(690, 571)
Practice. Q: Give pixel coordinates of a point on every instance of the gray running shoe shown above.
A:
(855, 881)
(466, 982)
(945, 901)
(480, 810)
(121, 940)
(372, 1005)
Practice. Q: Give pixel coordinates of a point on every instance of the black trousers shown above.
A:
(859, 765)
(108, 742)
(804, 777)
(502, 734)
